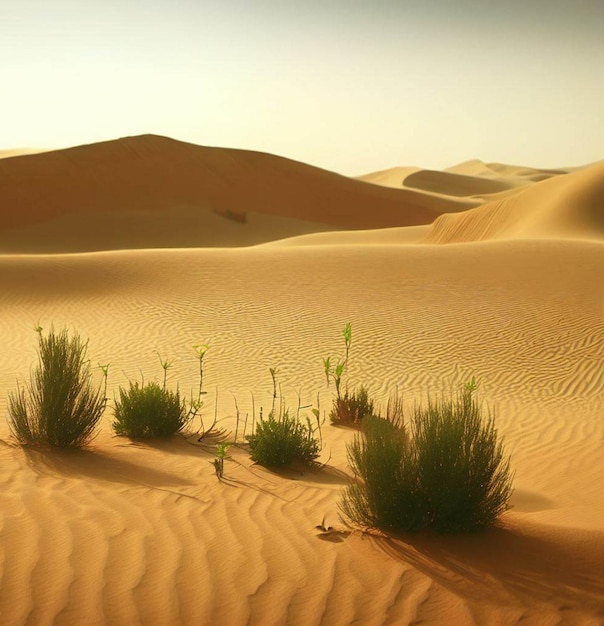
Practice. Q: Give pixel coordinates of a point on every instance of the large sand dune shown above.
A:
(127, 533)
(136, 192)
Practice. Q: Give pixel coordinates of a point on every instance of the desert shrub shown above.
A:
(278, 441)
(149, 410)
(449, 473)
(387, 493)
(59, 407)
(351, 408)
(465, 476)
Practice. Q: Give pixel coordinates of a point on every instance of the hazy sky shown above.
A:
(349, 85)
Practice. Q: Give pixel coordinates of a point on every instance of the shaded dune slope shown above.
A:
(104, 187)
(569, 206)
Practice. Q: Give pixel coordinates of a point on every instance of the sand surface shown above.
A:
(144, 533)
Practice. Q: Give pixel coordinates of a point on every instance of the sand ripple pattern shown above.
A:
(145, 534)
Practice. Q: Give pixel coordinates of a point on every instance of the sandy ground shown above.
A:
(144, 533)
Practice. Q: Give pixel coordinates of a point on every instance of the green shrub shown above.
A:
(278, 441)
(148, 410)
(387, 494)
(59, 406)
(449, 474)
(351, 408)
(465, 477)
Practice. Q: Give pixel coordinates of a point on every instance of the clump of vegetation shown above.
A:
(351, 408)
(150, 410)
(348, 408)
(219, 457)
(60, 406)
(449, 473)
(279, 441)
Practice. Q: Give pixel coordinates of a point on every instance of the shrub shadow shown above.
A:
(177, 444)
(514, 560)
(98, 466)
(320, 474)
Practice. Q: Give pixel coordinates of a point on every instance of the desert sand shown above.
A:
(485, 270)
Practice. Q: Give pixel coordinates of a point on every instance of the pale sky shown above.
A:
(353, 86)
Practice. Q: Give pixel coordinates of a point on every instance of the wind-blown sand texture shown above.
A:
(129, 532)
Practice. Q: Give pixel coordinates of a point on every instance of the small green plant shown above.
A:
(348, 408)
(351, 408)
(166, 365)
(335, 372)
(221, 449)
(59, 407)
(274, 371)
(279, 441)
(197, 404)
(450, 473)
(148, 410)
(200, 350)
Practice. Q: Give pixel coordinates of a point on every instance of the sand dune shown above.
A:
(134, 192)
(568, 206)
(392, 177)
(470, 184)
(511, 173)
(144, 533)
(450, 184)
(4, 154)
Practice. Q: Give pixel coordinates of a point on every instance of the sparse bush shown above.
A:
(450, 473)
(351, 408)
(148, 410)
(278, 441)
(59, 407)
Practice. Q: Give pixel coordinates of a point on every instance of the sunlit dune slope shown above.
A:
(376, 236)
(566, 206)
(4, 154)
(84, 198)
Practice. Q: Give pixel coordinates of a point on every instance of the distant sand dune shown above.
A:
(454, 184)
(471, 183)
(569, 206)
(5, 154)
(511, 173)
(111, 183)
